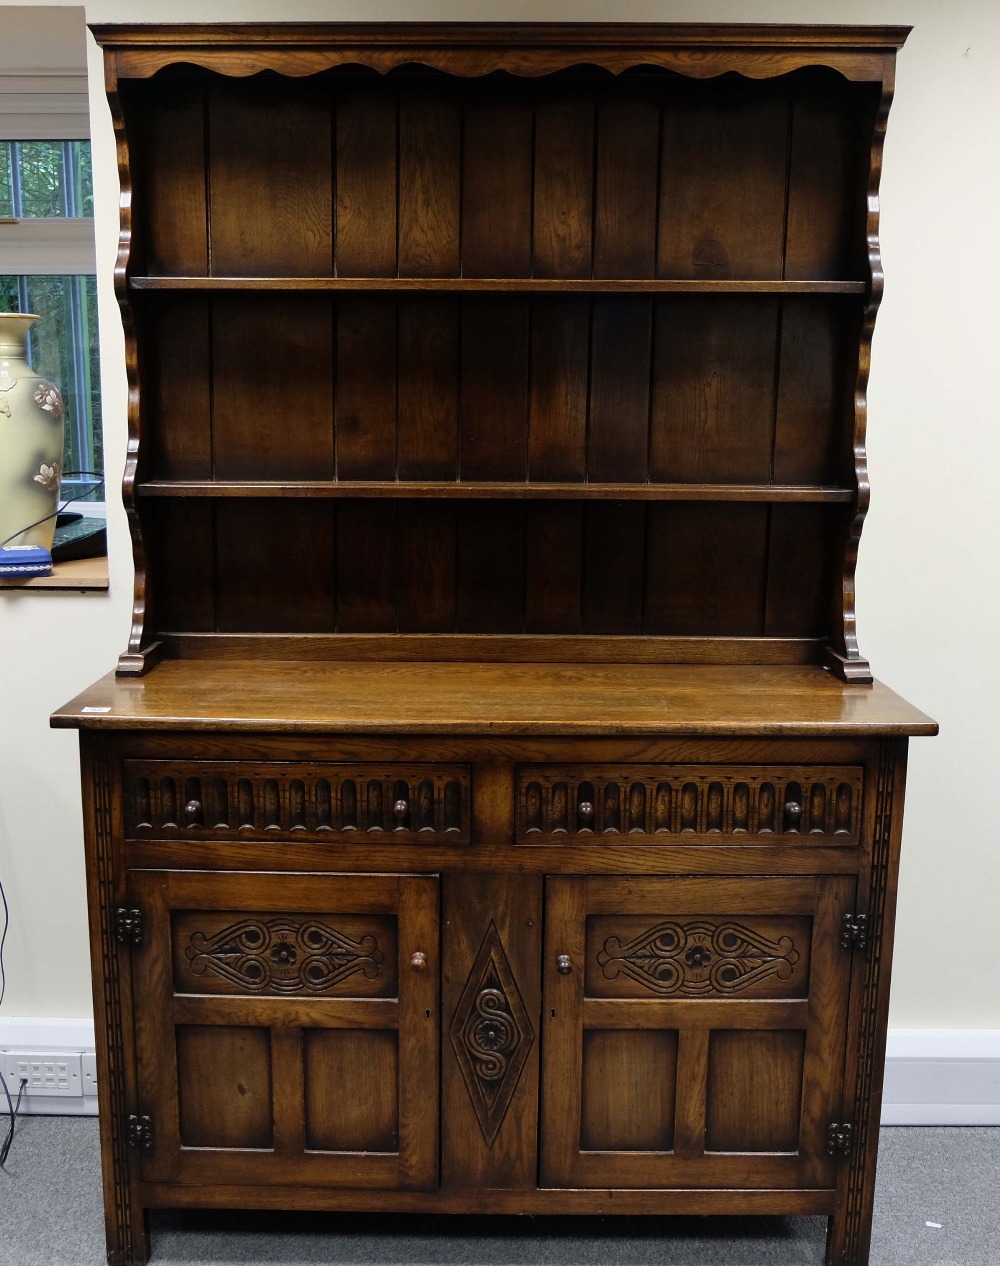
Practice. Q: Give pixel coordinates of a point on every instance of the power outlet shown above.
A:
(90, 1074)
(46, 1073)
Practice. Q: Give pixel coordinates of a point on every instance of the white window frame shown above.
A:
(47, 106)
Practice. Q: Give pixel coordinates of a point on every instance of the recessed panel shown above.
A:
(697, 956)
(168, 117)
(817, 375)
(754, 1090)
(272, 387)
(367, 182)
(627, 129)
(829, 155)
(178, 537)
(177, 389)
(629, 1082)
(430, 164)
(272, 569)
(306, 955)
(562, 236)
(496, 172)
(722, 180)
(805, 544)
(224, 1086)
(351, 1090)
(713, 389)
(705, 569)
(270, 191)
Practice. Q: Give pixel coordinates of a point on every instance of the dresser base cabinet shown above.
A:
(692, 1022)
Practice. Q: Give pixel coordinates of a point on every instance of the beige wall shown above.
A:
(929, 613)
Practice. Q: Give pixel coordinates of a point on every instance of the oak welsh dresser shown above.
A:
(492, 810)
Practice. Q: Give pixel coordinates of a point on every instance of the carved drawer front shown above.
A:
(338, 803)
(660, 804)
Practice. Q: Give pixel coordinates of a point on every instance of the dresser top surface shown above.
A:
(490, 698)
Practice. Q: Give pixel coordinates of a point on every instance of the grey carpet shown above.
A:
(50, 1215)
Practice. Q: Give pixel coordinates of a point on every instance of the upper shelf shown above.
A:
(511, 285)
(476, 490)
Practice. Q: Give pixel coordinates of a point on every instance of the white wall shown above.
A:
(929, 614)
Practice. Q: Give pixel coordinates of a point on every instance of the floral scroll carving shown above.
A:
(698, 958)
(283, 955)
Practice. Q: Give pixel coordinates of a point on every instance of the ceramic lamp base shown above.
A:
(21, 561)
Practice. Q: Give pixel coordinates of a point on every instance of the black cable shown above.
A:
(3, 938)
(13, 1109)
(99, 479)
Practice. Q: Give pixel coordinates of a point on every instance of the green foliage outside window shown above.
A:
(46, 178)
(63, 346)
(53, 179)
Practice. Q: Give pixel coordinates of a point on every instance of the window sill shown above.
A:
(80, 573)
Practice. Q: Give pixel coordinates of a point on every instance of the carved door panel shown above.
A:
(694, 1031)
(490, 1003)
(287, 1028)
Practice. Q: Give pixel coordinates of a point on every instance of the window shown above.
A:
(47, 267)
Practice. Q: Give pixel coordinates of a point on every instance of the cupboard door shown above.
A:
(694, 1031)
(286, 1028)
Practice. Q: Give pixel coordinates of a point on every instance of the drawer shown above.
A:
(388, 803)
(657, 804)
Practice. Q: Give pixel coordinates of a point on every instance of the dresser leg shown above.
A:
(849, 1236)
(849, 1230)
(128, 1242)
(848, 1240)
(834, 1240)
(125, 1222)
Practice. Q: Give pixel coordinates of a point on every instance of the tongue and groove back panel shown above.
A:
(573, 176)
(661, 464)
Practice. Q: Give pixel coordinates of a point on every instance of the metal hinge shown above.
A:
(139, 1131)
(839, 1138)
(854, 932)
(128, 926)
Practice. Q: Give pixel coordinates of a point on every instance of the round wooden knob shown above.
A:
(585, 810)
(419, 961)
(193, 809)
(563, 965)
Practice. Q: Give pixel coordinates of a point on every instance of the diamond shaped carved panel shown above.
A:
(491, 1034)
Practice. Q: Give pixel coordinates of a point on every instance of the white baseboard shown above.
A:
(942, 1077)
(74, 1037)
(932, 1076)
(49, 1106)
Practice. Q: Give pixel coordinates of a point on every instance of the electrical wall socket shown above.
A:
(46, 1073)
(90, 1073)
